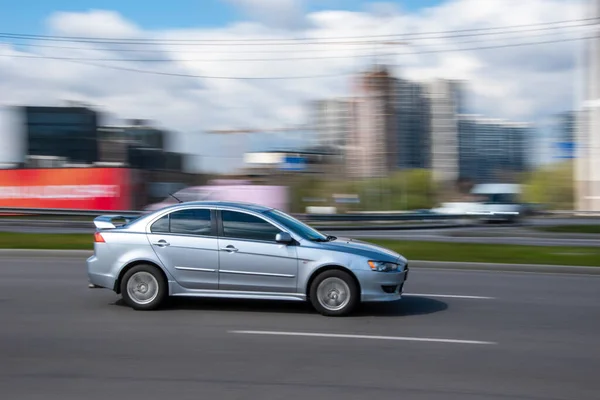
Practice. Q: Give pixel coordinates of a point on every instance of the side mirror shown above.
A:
(284, 238)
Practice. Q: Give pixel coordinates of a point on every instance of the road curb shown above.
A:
(414, 264)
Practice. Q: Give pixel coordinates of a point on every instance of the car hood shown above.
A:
(359, 247)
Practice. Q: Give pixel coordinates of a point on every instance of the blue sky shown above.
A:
(29, 16)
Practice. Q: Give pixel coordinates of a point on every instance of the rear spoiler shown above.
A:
(107, 221)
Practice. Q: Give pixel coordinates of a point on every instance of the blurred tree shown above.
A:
(403, 190)
(409, 190)
(302, 188)
(552, 186)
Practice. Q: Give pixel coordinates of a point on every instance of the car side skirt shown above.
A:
(234, 294)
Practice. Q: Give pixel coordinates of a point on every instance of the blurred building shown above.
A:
(114, 144)
(66, 132)
(398, 124)
(562, 137)
(446, 103)
(73, 137)
(587, 166)
(332, 121)
(138, 145)
(274, 162)
(491, 150)
(372, 149)
(9, 165)
(564, 129)
(13, 149)
(413, 124)
(554, 139)
(46, 161)
(141, 146)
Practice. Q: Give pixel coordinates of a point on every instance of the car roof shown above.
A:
(224, 204)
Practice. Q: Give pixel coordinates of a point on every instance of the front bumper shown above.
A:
(382, 286)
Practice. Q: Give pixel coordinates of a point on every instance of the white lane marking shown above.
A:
(348, 336)
(450, 296)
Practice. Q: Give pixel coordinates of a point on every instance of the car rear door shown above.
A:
(185, 242)
(250, 258)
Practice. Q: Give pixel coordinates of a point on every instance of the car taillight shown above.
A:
(98, 238)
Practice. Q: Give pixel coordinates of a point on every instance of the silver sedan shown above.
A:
(236, 250)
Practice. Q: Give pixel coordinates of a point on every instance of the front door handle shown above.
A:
(162, 243)
(229, 248)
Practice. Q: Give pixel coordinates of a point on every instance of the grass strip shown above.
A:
(42, 241)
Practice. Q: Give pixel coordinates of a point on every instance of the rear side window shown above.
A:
(185, 222)
(237, 225)
(191, 222)
(161, 226)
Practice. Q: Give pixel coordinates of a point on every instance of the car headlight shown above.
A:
(381, 266)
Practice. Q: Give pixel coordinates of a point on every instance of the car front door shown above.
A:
(186, 243)
(250, 258)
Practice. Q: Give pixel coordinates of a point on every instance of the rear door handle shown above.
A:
(229, 248)
(162, 243)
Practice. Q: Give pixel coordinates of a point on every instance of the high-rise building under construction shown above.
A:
(372, 143)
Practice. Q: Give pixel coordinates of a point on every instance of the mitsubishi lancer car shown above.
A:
(243, 251)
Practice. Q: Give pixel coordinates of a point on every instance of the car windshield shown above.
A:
(296, 226)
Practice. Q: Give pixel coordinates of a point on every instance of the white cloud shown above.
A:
(95, 23)
(513, 82)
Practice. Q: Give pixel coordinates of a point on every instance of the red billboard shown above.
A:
(73, 188)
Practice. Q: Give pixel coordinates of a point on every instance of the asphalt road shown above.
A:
(518, 336)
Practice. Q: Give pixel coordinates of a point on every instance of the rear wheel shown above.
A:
(334, 293)
(143, 288)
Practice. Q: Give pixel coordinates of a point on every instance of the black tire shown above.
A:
(154, 277)
(336, 276)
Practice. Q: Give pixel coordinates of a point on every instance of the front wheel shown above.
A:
(143, 288)
(334, 293)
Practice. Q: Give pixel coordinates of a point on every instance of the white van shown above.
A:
(499, 201)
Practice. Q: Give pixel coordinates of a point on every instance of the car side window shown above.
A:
(161, 225)
(191, 222)
(238, 225)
